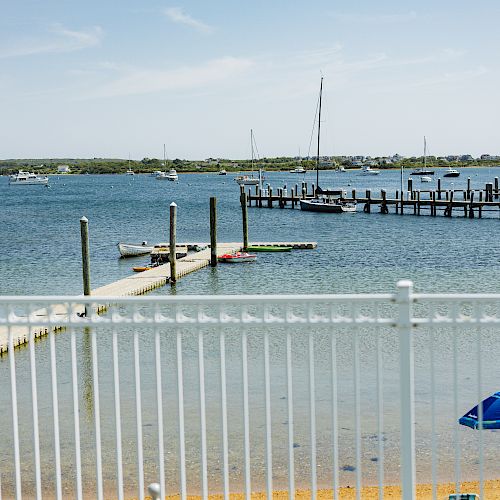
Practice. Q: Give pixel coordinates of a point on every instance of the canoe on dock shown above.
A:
(268, 248)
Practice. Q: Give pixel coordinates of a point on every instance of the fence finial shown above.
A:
(154, 491)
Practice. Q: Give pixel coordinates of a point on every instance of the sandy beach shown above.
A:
(424, 492)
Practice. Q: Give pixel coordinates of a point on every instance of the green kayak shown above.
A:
(263, 248)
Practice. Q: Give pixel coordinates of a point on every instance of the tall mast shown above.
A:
(425, 152)
(251, 146)
(164, 156)
(319, 131)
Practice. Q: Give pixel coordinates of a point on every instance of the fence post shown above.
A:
(173, 255)
(407, 389)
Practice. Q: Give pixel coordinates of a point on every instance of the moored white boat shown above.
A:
(237, 257)
(134, 249)
(324, 203)
(425, 178)
(23, 178)
(367, 170)
(222, 172)
(246, 180)
(130, 172)
(172, 175)
(298, 170)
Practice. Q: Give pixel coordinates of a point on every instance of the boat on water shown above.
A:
(156, 173)
(250, 180)
(451, 172)
(424, 170)
(425, 178)
(130, 172)
(326, 200)
(237, 257)
(268, 248)
(134, 249)
(298, 170)
(162, 176)
(367, 170)
(23, 178)
(330, 201)
(222, 172)
(172, 175)
(247, 180)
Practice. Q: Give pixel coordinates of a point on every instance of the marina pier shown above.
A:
(467, 202)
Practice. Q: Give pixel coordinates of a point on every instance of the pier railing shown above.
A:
(206, 394)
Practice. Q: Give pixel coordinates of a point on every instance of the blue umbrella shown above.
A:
(491, 414)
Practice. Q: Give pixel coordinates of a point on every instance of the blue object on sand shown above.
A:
(491, 414)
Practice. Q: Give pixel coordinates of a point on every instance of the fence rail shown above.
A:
(246, 393)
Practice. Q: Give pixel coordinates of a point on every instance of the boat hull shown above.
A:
(268, 249)
(236, 258)
(134, 249)
(331, 208)
(452, 174)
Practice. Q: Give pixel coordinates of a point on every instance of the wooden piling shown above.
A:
(244, 212)
(213, 231)
(383, 205)
(354, 194)
(496, 188)
(480, 207)
(396, 205)
(433, 204)
(402, 203)
(368, 201)
(173, 229)
(471, 209)
(410, 184)
(439, 188)
(468, 188)
(418, 202)
(84, 234)
(489, 192)
(270, 197)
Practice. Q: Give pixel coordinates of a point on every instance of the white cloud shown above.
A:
(135, 81)
(177, 15)
(60, 40)
(374, 18)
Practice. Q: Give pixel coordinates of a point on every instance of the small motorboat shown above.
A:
(425, 178)
(237, 257)
(134, 249)
(268, 248)
(451, 172)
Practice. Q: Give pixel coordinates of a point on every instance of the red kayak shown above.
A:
(237, 257)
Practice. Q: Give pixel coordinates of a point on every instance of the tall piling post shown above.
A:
(468, 188)
(173, 255)
(244, 213)
(213, 231)
(439, 188)
(84, 234)
(496, 188)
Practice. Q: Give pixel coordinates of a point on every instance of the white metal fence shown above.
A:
(246, 393)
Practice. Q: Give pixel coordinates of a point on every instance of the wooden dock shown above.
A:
(467, 202)
(138, 284)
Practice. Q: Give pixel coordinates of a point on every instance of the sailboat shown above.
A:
(424, 170)
(250, 180)
(326, 200)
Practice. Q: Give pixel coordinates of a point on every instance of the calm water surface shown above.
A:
(40, 254)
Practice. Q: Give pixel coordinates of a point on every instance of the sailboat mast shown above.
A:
(251, 147)
(425, 152)
(319, 132)
(164, 156)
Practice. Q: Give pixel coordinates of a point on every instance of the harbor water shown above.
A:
(40, 255)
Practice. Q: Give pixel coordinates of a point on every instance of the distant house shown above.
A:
(466, 158)
(63, 169)
(452, 158)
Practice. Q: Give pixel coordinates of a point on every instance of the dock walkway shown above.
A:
(136, 284)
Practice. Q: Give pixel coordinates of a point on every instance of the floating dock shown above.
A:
(138, 284)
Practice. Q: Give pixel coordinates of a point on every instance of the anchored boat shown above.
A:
(237, 257)
(134, 249)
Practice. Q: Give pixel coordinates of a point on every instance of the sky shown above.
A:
(108, 78)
